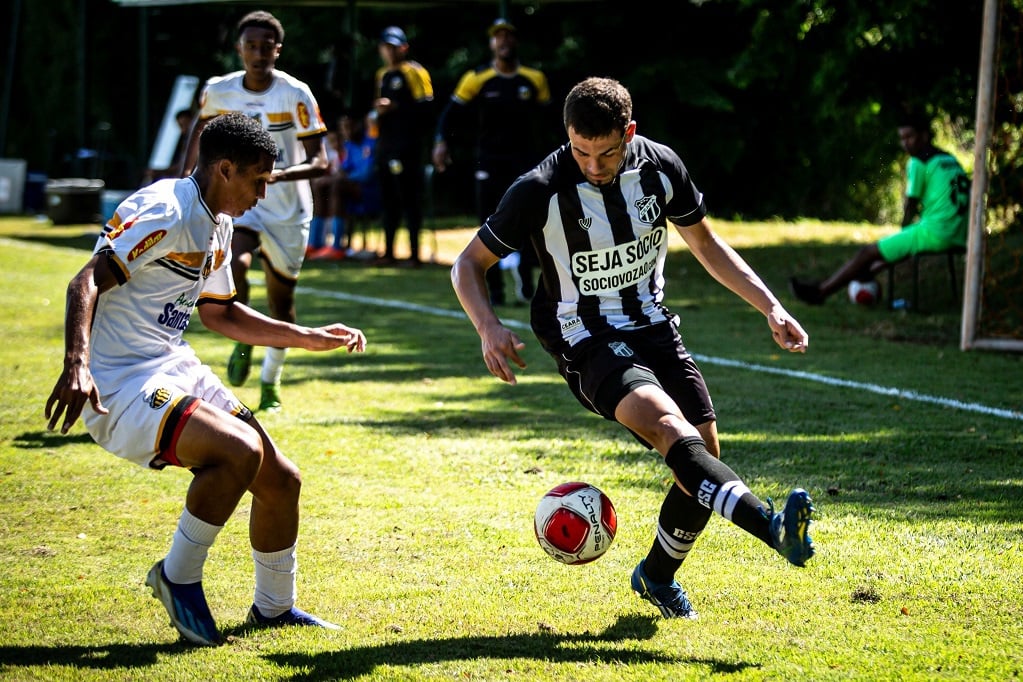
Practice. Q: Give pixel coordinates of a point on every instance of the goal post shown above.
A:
(992, 283)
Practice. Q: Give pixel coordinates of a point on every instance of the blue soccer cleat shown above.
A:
(671, 599)
(789, 528)
(187, 607)
(293, 616)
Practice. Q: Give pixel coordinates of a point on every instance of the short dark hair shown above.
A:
(597, 107)
(917, 119)
(235, 137)
(261, 19)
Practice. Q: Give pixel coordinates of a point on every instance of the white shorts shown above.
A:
(282, 246)
(149, 410)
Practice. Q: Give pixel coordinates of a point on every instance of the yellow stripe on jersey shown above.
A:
(191, 259)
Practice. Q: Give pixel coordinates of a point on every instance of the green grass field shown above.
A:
(422, 472)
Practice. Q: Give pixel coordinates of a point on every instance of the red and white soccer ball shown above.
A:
(575, 523)
(864, 293)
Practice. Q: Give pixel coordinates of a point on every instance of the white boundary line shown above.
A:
(724, 362)
(806, 376)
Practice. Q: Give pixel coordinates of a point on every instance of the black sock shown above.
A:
(681, 521)
(714, 485)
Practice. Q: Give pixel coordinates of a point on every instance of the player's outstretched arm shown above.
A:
(732, 271)
(239, 322)
(500, 344)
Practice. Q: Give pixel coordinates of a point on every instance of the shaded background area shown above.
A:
(780, 109)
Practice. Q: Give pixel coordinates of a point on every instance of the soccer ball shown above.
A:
(864, 293)
(575, 523)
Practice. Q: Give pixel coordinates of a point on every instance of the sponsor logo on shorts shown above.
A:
(620, 348)
(158, 398)
(147, 243)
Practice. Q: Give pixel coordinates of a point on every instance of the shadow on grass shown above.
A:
(546, 647)
(350, 664)
(100, 657)
(32, 440)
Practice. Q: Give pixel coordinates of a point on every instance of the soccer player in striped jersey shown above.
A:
(598, 211)
(145, 396)
(277, 229)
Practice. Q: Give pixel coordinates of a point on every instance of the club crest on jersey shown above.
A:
(621, 349)
(158, 398)
(648, 209)
(303, 115)
(585, 223)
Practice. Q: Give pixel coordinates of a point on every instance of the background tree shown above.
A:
(781, 108)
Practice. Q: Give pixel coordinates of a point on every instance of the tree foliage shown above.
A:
(779, 107)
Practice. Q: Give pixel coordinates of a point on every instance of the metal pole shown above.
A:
(972, 279)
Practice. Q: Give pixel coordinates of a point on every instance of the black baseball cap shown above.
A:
(501, 25)
(393, 35)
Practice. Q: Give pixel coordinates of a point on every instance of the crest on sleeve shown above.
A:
(303, 115)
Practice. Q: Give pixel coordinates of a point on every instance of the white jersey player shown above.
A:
(145, 396)
(278, 227)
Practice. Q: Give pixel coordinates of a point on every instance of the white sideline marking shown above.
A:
(793, 374)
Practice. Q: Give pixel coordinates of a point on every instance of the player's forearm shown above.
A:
(78, 316)
(239, 322)
(301, 171)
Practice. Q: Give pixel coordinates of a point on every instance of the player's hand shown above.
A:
(440, 156)
(786, 331)
(336, 335)
(73, 388)
(500, 345)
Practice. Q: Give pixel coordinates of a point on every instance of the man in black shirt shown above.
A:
(511, 101)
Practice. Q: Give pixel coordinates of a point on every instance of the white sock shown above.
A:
(275, 581)
(192, 541)
(273, 365)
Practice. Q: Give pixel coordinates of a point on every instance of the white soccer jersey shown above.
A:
(288, 110)
(164, 239)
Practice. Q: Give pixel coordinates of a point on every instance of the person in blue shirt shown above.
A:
(354, 189)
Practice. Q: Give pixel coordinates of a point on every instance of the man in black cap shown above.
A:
(511, 101)
(404, 103)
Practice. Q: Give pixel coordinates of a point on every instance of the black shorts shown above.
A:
(602, 371)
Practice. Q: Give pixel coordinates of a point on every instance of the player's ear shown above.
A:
(630, 131)
(225, 169)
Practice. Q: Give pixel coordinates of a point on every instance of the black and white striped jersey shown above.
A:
(601, 249)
